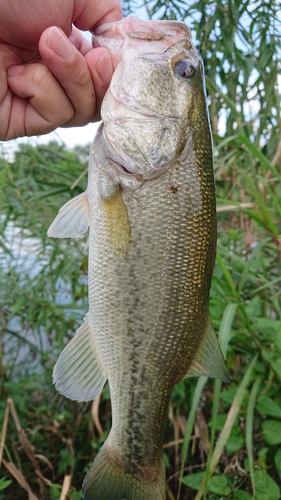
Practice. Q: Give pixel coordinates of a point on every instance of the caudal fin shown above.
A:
(108, 481)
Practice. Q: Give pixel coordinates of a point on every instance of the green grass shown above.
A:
(226, 436)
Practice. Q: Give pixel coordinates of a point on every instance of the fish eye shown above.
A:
(184, 69)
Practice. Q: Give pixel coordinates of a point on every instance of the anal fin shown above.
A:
(208, 360)
(78, 373)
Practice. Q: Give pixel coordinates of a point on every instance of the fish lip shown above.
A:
(156, 34)
(126, 170)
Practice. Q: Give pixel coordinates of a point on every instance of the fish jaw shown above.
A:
(130, 31)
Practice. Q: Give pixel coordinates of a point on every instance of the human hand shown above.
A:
(46, 79)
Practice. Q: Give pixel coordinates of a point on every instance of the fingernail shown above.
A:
(104, 67)
(15, 70)
(59, 43)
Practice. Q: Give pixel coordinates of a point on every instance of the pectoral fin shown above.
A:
(117, 221)
(209, 360)
(78, 373)
(72, 219)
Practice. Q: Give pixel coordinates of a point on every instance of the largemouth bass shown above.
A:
(151, 213)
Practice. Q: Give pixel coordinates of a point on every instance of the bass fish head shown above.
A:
(148, 111)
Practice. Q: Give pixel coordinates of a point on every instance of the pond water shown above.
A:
(23, 255)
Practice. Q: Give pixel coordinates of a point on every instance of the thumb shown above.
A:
(70, 68)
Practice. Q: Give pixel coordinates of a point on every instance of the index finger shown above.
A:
(94, 13)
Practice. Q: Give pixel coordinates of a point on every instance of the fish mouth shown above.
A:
(121, 160)
(124, 170)
(136, 174)
(161, 33)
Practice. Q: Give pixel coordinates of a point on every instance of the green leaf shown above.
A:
(55, 492)
(277, 461)
(266, 487)
(225, 327)
(258, 154)
(193, 480)
(219, 421)
(277, 339)
(253, 308)
(166, 460)
(228, 278)
(219, 485)
(77, 495)
(228, 395)
(234, 443)
(242, 495)
(249, 429)
(271, 431)
(230, 421)
(276, 365)
(195, 401)
(4, 483)
(267, 406)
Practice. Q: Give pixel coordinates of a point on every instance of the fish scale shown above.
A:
(150, 209)
(141, 339)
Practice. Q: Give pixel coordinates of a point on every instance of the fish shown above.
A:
(150, 209)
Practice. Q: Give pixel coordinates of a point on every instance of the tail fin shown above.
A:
(108, 481)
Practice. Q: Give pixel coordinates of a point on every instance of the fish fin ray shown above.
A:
(209, 360)
(72, 219)
(118, 226)
(78, 373)
(108, 480)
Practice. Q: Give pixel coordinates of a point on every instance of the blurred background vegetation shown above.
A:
(221, 441)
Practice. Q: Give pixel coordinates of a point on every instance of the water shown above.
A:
(22, 259)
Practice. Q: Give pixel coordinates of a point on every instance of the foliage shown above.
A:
(221, 441)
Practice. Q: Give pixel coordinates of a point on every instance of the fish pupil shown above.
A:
(184, 69)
